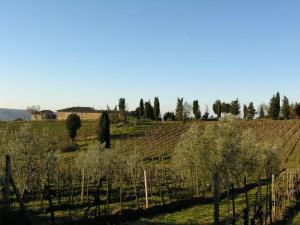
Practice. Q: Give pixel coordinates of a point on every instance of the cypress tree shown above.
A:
(251, 111)
(196, 110)
(261, 112)
(179, 109)
(149, 114)
(286, 109)
(156, 109)
(122, 108)
(235, 107)
(297, 109)
(245, 111)
(103, 132)
(73, 124)
(274, 109)
(225, 107)
(217, 107)
(141, 109)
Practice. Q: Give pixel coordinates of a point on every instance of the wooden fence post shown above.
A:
(6, 189)
(82, 186)
(273, 199)
(247, 210)
(146, 189)
(216, 199)
(233, 203)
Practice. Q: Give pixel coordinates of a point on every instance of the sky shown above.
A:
(63, 53)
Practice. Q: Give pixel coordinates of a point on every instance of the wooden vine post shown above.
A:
(216, 199)
(10, 180)
(273, 197)
(146, 189)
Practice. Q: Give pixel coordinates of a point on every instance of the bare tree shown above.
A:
(33, 110)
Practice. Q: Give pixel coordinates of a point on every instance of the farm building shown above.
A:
(88, 113)
(43, 115)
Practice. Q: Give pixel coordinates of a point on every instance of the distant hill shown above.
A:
(12, 114)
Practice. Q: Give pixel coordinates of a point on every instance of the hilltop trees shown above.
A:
(169, 116)
(73, 124)
(141, 109)
(297, 109)
(103, 130)
(251, 111)
(235, 107)
(122, 107)
(286, 109)
(274, 109)
(156, 109)
(179, 109)
(225, 108)
(149, 112)
(196, 110)
(245, 111)
(187, 109)
(217, 107)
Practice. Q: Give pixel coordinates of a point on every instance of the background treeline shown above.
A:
(276, 109)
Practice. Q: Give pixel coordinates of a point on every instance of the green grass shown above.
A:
(203, 214)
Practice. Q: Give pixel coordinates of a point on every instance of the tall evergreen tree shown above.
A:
(225, 108)
(149, 114)
(156, 109)
(122, 108)
(274, 109)
(245, 111)
(286, 109)
(297, 109)
(235, 107)
(73, 124)
(217, 107)
(196, 110)
(141, 109)
(103, 131)
(251, 111)
(261, 112)
(179, 109)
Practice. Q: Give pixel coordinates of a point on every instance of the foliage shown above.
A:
(196, 110)
(274, 109)
(187, 109)
(225, 107)
(217, 107)
(251, 111)
(141, 109)
(122, 104)
(73, 124)
(286, 109)
(235, 107)
(156, 109)
(297, 109)
(222, 148)
(179, 109)
(169, 116)
(103, 131)
(31, 149)
(149, 111)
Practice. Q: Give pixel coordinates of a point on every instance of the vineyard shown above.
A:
(138, 180)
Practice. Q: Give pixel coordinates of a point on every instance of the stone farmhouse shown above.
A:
(43, 115)
(88, 113)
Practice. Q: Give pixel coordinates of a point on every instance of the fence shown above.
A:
(68, 195)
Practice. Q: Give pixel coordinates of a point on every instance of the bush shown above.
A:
(70, 148)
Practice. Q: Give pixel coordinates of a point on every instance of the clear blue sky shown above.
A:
(61, 53)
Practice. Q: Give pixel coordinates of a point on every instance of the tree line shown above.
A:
(276, 109)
